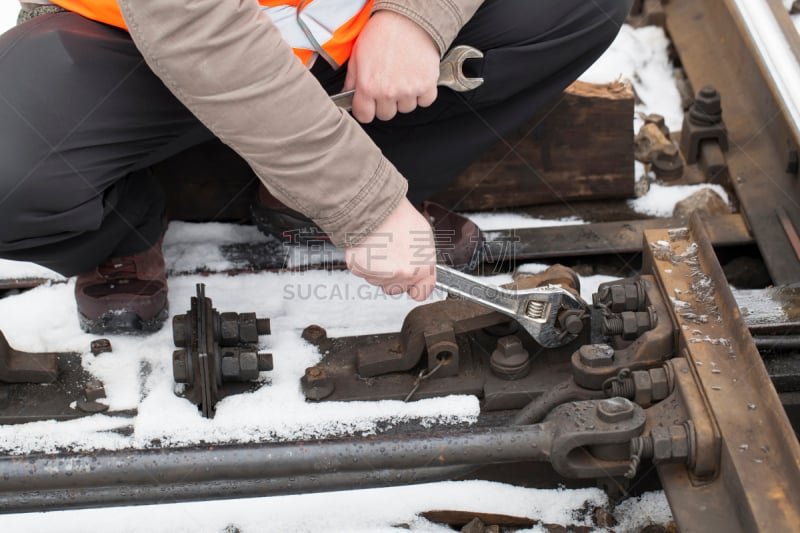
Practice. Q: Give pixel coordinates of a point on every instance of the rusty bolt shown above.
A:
(315, 334)
(94, 390)
(679, 437)
(707, 107)
(662, 444)
(180, 366)
(571, 321)
(264, 361)
(248, 328)
(629, 324)
(248, 366)
(510, 360)
(643, 388)
(596, 355)
(179, 329)
(228, 329)
(667, 164)
(660, 381)
(659, 122)
(316, 384)
(615, 410)
(100, 346)
(622, 296)
(229, 366)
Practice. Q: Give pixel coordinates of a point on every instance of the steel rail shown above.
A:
(777, 50)
(745, 49)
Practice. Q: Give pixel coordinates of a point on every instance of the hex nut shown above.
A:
(680, 442)
(618, 298)
(660, 381)
(228, 329)
(630, 325)
(248, 366)
(662, 444)
(229, 365)
(248, 328)
(643, 387)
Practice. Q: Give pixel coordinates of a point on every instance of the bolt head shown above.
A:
(596, 355)
(315, 334)
(615, 410)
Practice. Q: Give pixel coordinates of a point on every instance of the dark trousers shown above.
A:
(82, 118)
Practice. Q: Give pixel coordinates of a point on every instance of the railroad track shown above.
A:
(723, 447)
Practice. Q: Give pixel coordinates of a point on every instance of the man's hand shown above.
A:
(399, 255)
(394, 67)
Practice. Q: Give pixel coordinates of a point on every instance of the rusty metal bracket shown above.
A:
(650, 349)
(217, 352)
(25, 367)
(703, 123)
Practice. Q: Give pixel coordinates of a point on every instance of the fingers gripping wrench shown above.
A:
(550, 314)
(451, 74)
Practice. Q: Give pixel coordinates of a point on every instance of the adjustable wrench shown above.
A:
(550, 314)
(451, 74)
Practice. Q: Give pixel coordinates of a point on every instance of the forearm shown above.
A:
(229, 65)
(442, 19)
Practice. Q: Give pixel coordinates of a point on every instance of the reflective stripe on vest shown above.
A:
(327, 27)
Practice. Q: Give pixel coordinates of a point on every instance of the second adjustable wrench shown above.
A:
(451, 74)
(550, 314)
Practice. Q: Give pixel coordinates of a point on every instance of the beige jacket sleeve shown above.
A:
(442, 19)
(227, 63)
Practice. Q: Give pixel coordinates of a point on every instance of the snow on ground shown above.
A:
(44, 319)
(660, 200)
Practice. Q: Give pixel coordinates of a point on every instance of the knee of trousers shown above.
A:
(37, 204)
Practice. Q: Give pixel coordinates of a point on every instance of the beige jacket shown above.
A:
(228, 64)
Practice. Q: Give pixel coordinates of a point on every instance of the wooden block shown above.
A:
(581, 147)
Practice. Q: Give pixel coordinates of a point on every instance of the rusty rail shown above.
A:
(726, 43)
(753, 482)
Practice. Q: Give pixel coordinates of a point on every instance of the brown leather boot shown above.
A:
(459, 242)
(124, 294)
(287, 225)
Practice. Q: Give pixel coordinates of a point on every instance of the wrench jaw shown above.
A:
(451, 69)
(541, 316)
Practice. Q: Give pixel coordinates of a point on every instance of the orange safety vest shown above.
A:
(326, 27)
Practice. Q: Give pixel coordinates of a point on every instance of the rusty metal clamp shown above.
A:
(451, 75)
(540, 311)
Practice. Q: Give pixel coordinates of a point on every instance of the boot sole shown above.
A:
(123, 323)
